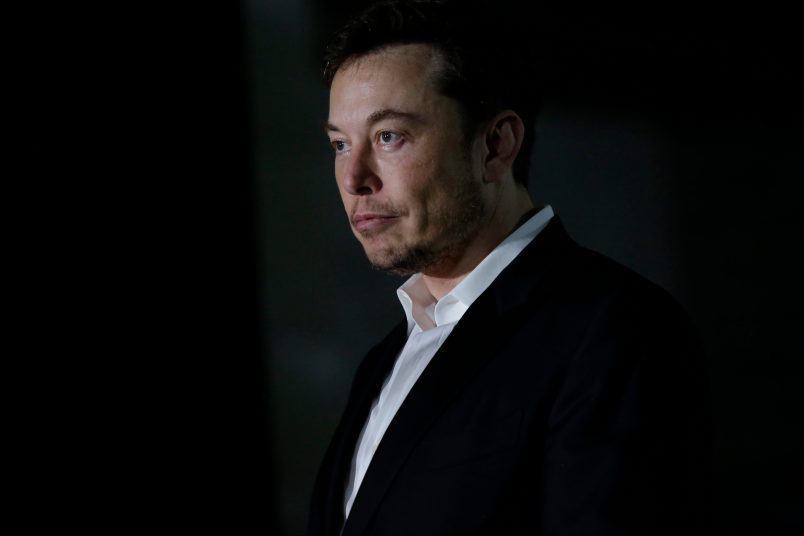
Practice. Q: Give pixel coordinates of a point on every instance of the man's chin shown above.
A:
(403, 263)
(392, 266)
(393, 270)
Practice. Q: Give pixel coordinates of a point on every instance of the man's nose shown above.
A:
(360, 177)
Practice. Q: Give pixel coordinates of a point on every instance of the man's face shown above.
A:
(409, 181)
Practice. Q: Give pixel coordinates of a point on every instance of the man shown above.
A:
(534, 387)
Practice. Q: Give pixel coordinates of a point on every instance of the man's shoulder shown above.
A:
(556, 268)
(598, 275)
(579, 293)
(605, 287)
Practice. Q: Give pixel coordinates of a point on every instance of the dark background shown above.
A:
(198, 305)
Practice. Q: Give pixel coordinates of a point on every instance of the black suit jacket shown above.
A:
(569, 399)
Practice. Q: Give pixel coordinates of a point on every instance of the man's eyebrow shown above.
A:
(381, 115)
(389, 113)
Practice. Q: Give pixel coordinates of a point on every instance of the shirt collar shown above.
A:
(422, 310)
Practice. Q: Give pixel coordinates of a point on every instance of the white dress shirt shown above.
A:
(429, 324)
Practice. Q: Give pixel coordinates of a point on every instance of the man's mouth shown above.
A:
(370, 221)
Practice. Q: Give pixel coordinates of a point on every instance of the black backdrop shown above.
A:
(197, 305)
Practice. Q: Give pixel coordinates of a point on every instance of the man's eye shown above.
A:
(339, 146)
(387, 137)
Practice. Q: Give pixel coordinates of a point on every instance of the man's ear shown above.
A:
(504, 137)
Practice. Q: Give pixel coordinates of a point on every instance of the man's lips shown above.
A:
(370, 221)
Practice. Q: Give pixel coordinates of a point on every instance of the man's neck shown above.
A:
(441, 281)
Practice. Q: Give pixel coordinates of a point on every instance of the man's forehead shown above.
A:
(399, 77)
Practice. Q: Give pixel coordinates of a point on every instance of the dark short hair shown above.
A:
(488, 64)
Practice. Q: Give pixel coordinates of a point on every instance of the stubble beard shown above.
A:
(460, 226)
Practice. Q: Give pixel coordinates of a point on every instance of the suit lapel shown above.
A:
(470, 345)
(336, 465)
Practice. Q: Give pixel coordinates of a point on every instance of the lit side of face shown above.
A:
(408, 181)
